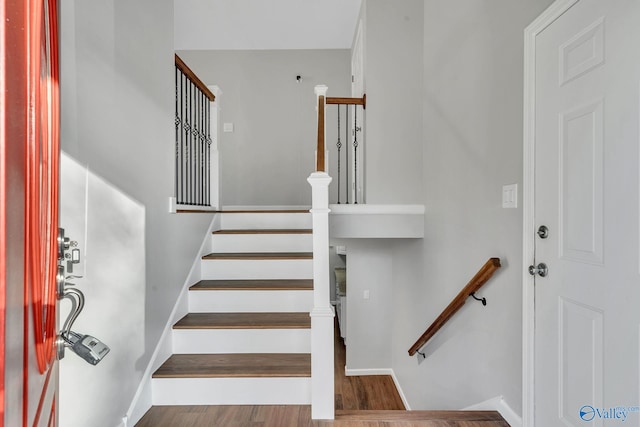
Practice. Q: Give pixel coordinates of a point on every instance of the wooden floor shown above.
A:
(360, 402)
(300, 416)
(362, 392)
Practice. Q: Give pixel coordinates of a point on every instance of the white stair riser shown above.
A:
(257, 269)
(243, 221)
(231, 391)
(250, 301)
(262, 243)
(241, 341)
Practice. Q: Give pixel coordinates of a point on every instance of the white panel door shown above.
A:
(587, 308)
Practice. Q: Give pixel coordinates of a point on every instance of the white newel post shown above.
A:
(215, 157)
(322, 387)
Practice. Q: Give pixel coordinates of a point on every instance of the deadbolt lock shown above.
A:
(543, 232)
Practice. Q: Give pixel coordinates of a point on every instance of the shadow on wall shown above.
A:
(109, 227)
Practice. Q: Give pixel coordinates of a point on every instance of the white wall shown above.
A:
(259, 24)
(117, 83)
(270, 154)
(472, 116)
(393, 84)
(369, 311)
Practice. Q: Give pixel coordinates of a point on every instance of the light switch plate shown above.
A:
(227, 127)
(510, 196)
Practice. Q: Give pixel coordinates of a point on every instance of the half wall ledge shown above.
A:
(366, 221)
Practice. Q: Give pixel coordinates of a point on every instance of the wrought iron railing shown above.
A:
(348, 143)
(193, 138)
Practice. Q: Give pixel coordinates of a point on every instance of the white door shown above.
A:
(587, 307)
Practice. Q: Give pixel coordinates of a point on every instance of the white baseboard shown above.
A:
(362, 372)
(143, 398)
(403, 397)
(380, 371)
(498, 404)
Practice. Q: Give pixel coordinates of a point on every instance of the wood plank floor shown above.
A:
(259, 255)
(376, 395)
(244, 321)
(300, 416)
(361, 392)
(254, 285)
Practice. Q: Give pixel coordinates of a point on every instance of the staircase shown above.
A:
(246, 339)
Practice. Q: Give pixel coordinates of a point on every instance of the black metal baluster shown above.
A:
(187, 150)
(208, 160)
(196, 137)
(190, 157)
(339, 145)
(179, 143)
(202, 149)
(184, 150)
(355, 154)
(177, 123)
(346, 152)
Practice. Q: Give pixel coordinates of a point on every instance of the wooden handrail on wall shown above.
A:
(474, 284)
(192, 76)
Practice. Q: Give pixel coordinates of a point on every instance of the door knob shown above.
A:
(543, 232)
(540, 269)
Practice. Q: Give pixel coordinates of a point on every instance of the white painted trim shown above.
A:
(142, 399)
(552, 13)
(232, 391)
(367, 209)
(403, 396)
(498, 404)
(214, 192)
(320, 90)
(367, 372)
(380, 371)
(266, 208)
(174, 207)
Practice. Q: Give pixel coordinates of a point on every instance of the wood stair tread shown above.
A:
(236, 365)
(266, 231)
(244, 321)
(254, 285)
(259, 255)
(400, 415)
(302, 211)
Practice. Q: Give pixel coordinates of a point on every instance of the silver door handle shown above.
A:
(540, 269)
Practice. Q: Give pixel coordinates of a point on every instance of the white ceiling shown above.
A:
(264, 24)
